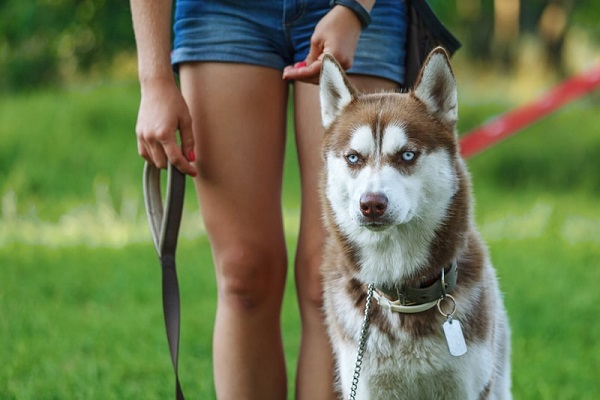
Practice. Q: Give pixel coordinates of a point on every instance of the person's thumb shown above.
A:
(316, 48)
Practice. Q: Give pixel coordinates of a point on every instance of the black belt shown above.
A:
(164, 224)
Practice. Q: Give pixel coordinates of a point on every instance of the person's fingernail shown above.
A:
(192, 156)
(300, 64)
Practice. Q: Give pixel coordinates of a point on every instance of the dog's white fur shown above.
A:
(403, 148)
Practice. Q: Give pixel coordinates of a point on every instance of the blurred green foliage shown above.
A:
(48, 42)
(42, 42)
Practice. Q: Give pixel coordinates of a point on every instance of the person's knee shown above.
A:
(250, 277)
(309, 281)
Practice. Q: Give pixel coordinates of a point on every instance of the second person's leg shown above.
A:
(315, 377)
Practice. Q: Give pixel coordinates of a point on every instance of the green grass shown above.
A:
(80, 307)
(87, 323)
(548, 272)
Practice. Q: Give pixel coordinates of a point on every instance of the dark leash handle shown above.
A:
(164, 221)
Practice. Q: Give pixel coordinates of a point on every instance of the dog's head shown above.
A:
(390, 157)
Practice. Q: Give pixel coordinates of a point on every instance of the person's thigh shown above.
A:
(239, 113)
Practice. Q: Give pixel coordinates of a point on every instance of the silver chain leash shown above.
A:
(362, 342)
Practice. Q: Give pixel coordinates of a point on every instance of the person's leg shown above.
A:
(314, 378)
(239, 114)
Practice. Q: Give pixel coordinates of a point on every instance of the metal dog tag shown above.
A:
(454, 337)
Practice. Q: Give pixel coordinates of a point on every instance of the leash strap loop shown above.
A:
(164, 222)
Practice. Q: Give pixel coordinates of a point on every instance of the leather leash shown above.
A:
(164, 224)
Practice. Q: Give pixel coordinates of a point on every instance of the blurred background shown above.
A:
(80, 306)
(57, 42)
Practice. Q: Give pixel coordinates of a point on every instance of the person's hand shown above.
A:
(162, 113)
(336, 33)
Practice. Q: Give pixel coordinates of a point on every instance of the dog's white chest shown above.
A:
(413, 369)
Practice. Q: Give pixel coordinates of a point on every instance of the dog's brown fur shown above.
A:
(406, 355)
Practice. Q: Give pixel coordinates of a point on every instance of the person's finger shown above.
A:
(149, 148)
(308, 73)
(160, 148)
(315, 51)
(187, 138)
(158, 157)
(144, 152)
(166, 150)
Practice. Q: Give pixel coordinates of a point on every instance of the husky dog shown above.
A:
(397, 207)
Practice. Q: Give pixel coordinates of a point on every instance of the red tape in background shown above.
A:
(510, 123)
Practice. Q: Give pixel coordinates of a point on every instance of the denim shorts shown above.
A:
(276, 33)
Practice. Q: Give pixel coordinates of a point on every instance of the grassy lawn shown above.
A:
(80, 307)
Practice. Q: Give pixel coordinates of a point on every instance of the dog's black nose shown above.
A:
(373, 205)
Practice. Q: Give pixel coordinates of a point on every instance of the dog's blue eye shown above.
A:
(353, 158)
(408, 156)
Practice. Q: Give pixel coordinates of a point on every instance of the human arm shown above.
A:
(337, 33)
(162, 110)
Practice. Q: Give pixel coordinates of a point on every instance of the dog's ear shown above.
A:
(436, 86)
(336, 92)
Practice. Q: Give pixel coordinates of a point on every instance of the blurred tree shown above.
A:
(548, 21)
(45, 41)
(492, 30)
